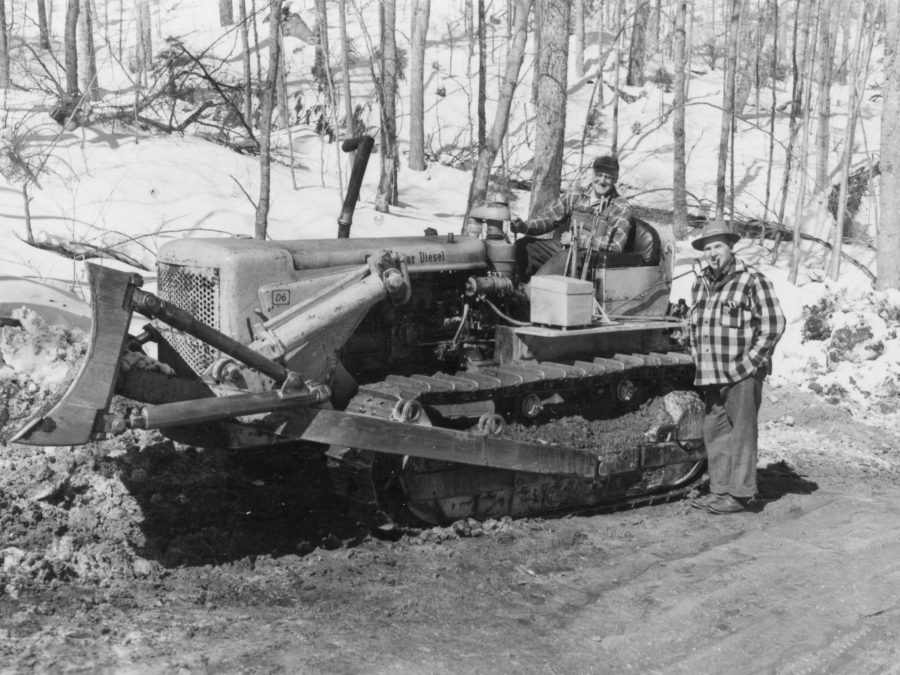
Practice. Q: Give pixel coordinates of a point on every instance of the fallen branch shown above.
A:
(86, 252)
(768, 230)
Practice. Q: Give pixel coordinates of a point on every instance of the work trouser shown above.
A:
(731, 432)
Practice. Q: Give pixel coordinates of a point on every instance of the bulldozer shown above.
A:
(433, 384)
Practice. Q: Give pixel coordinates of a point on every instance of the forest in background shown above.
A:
(783, 67)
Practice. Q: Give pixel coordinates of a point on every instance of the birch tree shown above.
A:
(418, 34)
(265, 125)
(858, 72)
(387, 90)
(516, 56)
(550, 123)
(889, 222)
(727, 107)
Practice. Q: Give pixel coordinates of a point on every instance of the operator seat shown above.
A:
(643, 248)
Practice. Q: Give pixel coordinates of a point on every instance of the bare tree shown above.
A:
(144, 27)
(679, 177)
(859, 73)
(4, 48)
(796, 107)
(226, 13)
(578, 34)
(265, 125)
(387, 185)
(488, 153)
(550, 126)
(825, 76)
(535, 73)
(71, 50)
(803, 156)
(635, 74)
(345, 74)
(42, 24)
(620, 37)
(421, 11)
(87, 59)
(482, 76)
(889, 222)
(245, 60)
(727, 107)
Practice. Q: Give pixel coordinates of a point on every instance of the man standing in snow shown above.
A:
(595, 219)
(735, 323)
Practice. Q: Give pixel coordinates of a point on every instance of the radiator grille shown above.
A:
(195, 290)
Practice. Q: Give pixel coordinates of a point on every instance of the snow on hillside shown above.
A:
(132, 191)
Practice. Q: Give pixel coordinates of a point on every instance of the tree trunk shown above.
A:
(482, 76)
(889, 222)
(796, 102)
(71, 50)
(803, 158)
(226, 13)
(144, 35)
(578, 34)
(245, 60)
(87, 60)
(345, 76)
(620, 36)
(43, 28)
(387, 184)
(487, 155)
(679, 177)
(4, 48)
(826, 71)
(536, 70)
(858, 72)
(727, 107)
(265, 125)
(550, 127)
(419, 32)
(636, 53)
(774, 108)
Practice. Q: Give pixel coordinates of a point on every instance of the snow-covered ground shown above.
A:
(131, 191)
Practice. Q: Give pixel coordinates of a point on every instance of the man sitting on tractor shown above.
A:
(590, 220)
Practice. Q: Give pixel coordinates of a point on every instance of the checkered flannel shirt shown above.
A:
(735, 323)
(602, 215)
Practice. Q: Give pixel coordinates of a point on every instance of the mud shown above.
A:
(141, 555)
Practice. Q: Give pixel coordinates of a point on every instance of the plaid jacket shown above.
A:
(735, 323)
(596, 219)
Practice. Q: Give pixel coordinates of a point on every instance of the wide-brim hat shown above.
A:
(490, 212)
(715, 229)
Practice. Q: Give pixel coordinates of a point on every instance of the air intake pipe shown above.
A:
(363, 147)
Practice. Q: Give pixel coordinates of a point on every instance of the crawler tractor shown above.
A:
(433, 383)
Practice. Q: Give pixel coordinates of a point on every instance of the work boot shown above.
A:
(704, 501)
(725, 504)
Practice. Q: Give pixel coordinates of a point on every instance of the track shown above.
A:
(635, 415)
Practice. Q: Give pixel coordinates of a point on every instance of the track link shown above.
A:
(649, 470)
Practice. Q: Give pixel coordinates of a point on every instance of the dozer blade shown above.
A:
(380, 435)
(79, 416)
